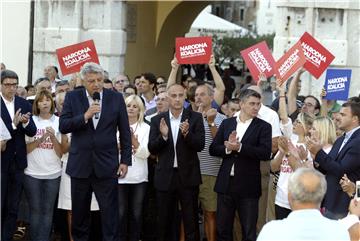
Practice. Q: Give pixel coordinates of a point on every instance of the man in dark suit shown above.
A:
(242, 141)
(175, 138)
(344, 158)
(93, 163)
(16, 114)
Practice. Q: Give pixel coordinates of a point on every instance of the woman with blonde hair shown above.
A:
(132, 187)
(323, 128)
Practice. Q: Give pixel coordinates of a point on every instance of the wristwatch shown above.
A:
(211, 124)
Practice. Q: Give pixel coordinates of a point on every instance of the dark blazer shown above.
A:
(256, 146)
(186, 150)
(16, 147)
(334, 165)
(95, 149)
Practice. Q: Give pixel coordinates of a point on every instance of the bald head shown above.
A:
(306, 186)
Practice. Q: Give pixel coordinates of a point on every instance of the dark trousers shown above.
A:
(11, 188)
(106, 194)
(168, 204)
(247, 209)
(281, 212)
(131, 198)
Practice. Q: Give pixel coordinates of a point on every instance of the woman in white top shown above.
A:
(42, 175)
(296, 135)
(132, 187)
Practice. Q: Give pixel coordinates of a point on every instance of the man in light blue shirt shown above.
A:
(307, 188)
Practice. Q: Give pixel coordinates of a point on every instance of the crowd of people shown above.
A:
(153, 158)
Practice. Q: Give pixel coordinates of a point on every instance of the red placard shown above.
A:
(318, 58)
(72, 58)
(291, 61)
(196, 50)
(259, 59)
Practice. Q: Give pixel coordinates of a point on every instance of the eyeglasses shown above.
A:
(120, 81)
(9, 85)
(159, 99)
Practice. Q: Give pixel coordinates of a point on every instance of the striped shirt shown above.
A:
(210, 165)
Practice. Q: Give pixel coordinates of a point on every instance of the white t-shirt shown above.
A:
(43, 163)
(281, 198)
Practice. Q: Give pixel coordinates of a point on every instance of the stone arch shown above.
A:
(154, 46)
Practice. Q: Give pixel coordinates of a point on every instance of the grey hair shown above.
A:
(209, 89)
(91, 67)
(301, 192)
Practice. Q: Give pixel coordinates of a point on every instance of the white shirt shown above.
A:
(271, 117)
(10, 106)
(306, 224)
(43, 163)
(91, 100)
(241, 128)
(348, 136)
(175, 126)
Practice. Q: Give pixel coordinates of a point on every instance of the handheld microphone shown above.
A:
(96, 98)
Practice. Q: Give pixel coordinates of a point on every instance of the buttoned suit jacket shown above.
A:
(255, 146)
(95, 149)
(186, 150)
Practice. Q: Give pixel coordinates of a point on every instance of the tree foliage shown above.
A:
(225, 48)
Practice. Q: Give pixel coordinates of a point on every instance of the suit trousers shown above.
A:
(247, 208)
(167, 205)
(105, 190)
(11, 188)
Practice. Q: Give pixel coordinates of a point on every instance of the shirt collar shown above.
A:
(349, 133)
(239, 121)
(88, 94)
(6, 101)
(173, 117)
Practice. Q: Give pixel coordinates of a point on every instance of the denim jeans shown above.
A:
(131, 198)
(41, 194)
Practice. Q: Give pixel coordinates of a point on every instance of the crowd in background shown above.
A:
(294, 132)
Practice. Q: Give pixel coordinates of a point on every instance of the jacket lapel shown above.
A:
(104, 107)
(250, 129)
(347, 145)
(85, 105)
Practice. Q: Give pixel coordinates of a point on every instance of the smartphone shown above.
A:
(357, 192)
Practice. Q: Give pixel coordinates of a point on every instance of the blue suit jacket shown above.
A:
(95, 150)
(334, 165)
(256, 146)
(16, 147)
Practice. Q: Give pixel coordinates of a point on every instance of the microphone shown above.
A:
(96, 98)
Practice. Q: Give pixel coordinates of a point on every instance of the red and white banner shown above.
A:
(72, 58)
(259, 59)
(291, 61)
(196, 50)
(318, 58)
